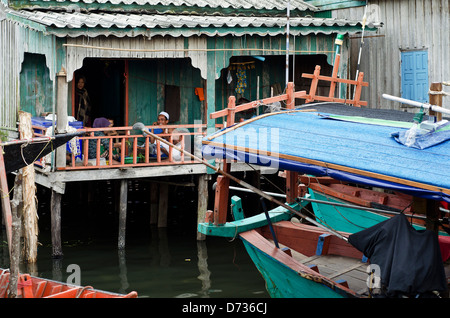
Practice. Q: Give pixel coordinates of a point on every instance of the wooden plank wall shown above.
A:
(408, 25)
(147, 79)
(14, 42)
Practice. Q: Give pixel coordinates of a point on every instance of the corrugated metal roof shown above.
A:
(236, 4)
(68, 23)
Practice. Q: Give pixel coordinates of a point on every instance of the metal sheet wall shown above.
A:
(408, 25)
(14, 42)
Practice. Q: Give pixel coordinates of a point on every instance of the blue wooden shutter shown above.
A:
(415, 75)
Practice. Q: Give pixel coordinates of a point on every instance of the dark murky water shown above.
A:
(157, 263)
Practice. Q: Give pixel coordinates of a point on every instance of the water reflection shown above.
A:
(123, 272)
(157, 263)
(205, 274)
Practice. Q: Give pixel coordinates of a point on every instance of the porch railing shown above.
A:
(128, 148)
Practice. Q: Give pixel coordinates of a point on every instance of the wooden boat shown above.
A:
(20, 153)
(300, 271)
(327, 143)
(295, 259)
(329, 198)
(35, 287)
(361, 196)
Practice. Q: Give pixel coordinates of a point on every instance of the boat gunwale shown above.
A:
(66, 288)
(261, 242)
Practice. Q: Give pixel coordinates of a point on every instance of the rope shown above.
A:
(38, 155)
(82, 290)
(337, 210)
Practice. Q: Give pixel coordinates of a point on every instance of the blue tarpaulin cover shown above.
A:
(425, 139)
(358, 152)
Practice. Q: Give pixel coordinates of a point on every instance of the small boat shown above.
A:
(295, 259)
(362, 196)
(23, 152)
(303, 269)
(35, 287)
(329, 198)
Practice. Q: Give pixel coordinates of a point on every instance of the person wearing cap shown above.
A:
(163, 119)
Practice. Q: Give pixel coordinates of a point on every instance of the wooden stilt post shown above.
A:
(123, 212)
(55, 210)
(435, 99)
(163, 204)
(5, 202)
(432, 206)
(154, 194)
(223, 182)
(202, 202)
(16, 208)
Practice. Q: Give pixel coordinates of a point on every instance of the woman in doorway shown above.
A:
(83, 103)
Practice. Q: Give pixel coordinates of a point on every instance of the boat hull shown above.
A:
(283, 281)
(342, 218)
(347, 219)
(36, 287)
(287, 276)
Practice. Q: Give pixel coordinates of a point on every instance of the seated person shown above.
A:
(163, 119)
(100, 122)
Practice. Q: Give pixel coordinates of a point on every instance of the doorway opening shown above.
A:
(105, 85)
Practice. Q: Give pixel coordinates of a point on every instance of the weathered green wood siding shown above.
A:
(272, 70)
(146, 93)
(36, 88)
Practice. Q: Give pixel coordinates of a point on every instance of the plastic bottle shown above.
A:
(411, 134)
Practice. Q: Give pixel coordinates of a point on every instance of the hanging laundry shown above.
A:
(241, 80)
(199, 93)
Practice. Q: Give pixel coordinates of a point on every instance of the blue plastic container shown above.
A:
(45, 123)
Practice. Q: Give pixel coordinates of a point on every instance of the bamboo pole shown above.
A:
(84, 46)
(141, 126)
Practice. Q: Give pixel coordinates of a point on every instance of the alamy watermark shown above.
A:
(254, 146)
(75, 277)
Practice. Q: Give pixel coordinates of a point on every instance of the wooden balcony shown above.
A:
(129, 148)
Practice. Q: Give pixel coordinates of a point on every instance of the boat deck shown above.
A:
(338, 268)
(352, 271)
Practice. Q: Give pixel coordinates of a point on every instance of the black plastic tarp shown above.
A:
(409, 260)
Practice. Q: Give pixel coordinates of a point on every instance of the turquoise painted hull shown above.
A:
(343, 219)
(284, 282)
(346, 219)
